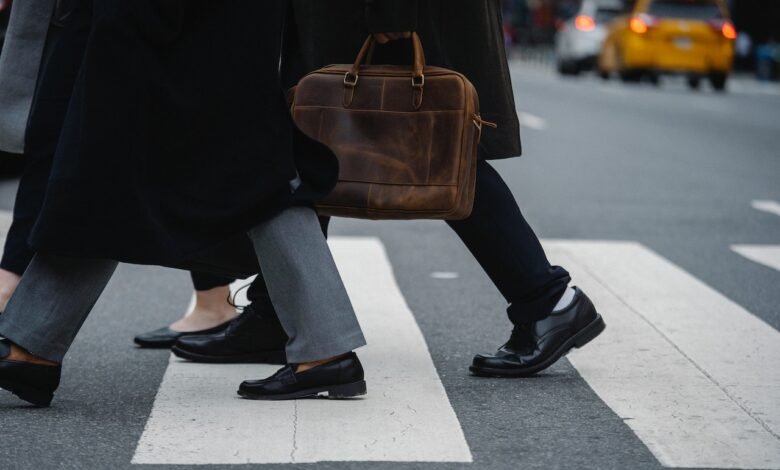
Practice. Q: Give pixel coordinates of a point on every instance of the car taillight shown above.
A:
(724, 27)
(585, 23)
(641, 23)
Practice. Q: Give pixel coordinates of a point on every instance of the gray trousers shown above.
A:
(56, 294)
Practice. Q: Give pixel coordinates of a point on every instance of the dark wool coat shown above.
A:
(177, 138)
(463, 35)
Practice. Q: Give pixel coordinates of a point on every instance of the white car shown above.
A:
(578, 41)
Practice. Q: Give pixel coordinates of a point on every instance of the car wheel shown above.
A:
(718, 81)
(654, 79)
(630, 76)
(568, 67)
(604, 75)
(694, 82)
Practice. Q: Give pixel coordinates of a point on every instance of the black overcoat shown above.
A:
(178, 138)
(463, 35)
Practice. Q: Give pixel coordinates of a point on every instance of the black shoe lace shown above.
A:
(231, 298)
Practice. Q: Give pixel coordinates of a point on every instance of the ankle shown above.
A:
(213, 299)
(304, 366)
(21, 355)
(8, 283)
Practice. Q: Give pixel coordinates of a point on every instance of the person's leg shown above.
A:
(212, 303)
(43, 317)
(508, 250)
(254, 336)
(211, 313)
(313, 307)
(305, 287)
(52, 301)
(549, 317)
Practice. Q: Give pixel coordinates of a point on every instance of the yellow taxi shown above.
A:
(692, 37)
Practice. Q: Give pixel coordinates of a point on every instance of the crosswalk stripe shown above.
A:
(407, 416)
(532, 121)
(772, 207)
(768, 255)
(692, 373)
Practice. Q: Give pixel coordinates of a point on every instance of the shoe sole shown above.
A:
(28, 394)
(355, 389)
(580, 339)
(267, 357)
(154, 344)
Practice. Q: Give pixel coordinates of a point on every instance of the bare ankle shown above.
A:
(21, 355)
(304, 366)
(8, 283)
(211, 309)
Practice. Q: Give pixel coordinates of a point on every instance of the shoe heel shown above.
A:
(590, 332)
(355, 389)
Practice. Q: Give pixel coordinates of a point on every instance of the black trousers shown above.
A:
(506, 247)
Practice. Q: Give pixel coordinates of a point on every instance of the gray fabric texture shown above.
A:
(52, 301)
(19, 66)
(56, 293)
(305, 287)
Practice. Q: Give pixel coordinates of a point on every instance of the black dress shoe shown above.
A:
(165, 337)
(341, 378)
(33, 383)
(536, 346)
(254, 336)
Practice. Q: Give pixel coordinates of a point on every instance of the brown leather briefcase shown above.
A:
(406, 137)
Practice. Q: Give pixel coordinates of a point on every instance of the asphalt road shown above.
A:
(674, 170)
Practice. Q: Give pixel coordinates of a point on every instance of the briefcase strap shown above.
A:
(352, 77)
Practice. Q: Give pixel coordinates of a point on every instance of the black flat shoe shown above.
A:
(165, 337)
(33, 383)
(255, 336)
(341, 378)
(535, 347)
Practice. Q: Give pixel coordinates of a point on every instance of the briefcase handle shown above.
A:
(352, 77)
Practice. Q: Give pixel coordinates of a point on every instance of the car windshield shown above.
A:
(686, 9)
(605, 15)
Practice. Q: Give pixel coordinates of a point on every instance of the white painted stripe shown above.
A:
(768, 255)
(773, 207)
(6, 217)
(444, 275)
(197, 418)
(694, 375)
(532, 121)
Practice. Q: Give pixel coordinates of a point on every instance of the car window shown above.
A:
(686, 9)
(605, 15)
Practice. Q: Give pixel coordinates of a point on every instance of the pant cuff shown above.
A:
(33, 343)
(322, 350)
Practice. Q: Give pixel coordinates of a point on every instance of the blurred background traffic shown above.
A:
(644, 40)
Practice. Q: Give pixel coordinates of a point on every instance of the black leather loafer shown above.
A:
(341, 378)
(165, 337)
(535, 347)
(33, 383)
(255, 336)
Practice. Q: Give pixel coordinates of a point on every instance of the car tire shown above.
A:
(604, 75)
(718, 81)
(630, 76)
(694, 82)
(654, 79)
(568, 67)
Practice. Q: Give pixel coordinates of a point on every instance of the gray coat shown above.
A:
(19, 64)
